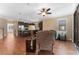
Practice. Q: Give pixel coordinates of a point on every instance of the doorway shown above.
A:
(10, 29)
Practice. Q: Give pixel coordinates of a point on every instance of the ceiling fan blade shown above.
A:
(43, 10)
(49, 13)
(48, 9)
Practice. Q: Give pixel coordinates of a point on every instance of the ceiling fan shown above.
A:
(44, 11)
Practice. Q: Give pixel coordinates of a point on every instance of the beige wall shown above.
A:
(52, 24)
(15, 27)
(70, 27)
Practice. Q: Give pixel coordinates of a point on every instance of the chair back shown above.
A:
(45, 39)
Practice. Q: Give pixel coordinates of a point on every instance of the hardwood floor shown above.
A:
(17, 46)
(12, 46)
(65, 48)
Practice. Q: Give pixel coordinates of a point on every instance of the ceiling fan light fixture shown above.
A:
(43, 14)
(44, 11)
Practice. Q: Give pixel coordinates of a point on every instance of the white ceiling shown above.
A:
(28, 12)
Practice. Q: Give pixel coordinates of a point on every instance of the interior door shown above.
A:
(76, 27)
